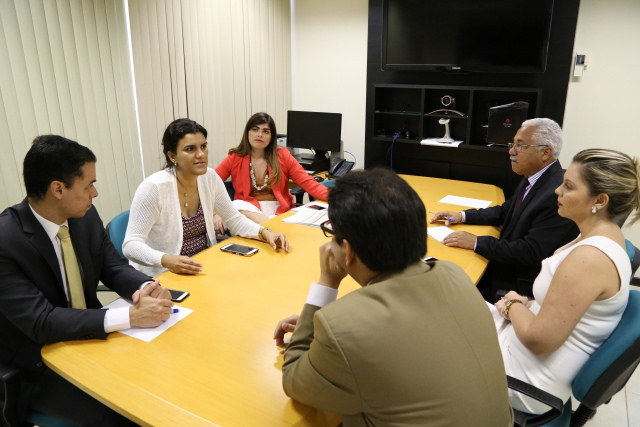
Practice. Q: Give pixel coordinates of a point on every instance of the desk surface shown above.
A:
(219, 365)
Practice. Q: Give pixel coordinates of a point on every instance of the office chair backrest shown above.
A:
(610, 366)
(230, 190)
(327, 183)
(116, 229)
(634, 256)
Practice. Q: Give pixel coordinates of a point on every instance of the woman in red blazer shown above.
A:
(260, 172)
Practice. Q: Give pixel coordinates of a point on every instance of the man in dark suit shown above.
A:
(531, 227)
(46, 296)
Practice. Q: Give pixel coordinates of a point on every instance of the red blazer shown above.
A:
(238, 168)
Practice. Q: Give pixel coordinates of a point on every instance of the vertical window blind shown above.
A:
(216, 62)
(65, 68)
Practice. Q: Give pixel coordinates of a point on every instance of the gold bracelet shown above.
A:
(260, 235)
(508, 305)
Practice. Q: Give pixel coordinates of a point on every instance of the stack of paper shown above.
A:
(314, 213)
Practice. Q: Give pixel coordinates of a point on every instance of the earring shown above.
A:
(594, 209)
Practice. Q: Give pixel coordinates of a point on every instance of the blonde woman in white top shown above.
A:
(171, 216)
(582, 290)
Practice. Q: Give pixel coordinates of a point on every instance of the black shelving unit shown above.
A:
(402, 108)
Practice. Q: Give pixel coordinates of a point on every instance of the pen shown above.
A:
(446, 217)
(175, 310)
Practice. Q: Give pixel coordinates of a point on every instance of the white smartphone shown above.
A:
(177, 296)
(239, 249)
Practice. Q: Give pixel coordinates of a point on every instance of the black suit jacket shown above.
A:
(531, 235)
(33, 307)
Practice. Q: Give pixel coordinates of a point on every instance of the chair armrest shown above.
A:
(10, 378)
(534, 392)
(298, 193)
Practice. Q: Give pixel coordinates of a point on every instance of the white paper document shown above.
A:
(148, 334)
(314, 213)
(465, 201)
(439, 233)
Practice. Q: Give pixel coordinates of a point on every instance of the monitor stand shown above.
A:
(317, 163)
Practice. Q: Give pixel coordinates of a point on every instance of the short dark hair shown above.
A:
(176, 130)
(381, 216)
(53, 158)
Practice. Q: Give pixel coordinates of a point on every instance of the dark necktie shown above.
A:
(71, 268)
(520, 195)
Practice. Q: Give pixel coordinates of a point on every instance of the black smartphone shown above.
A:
(239, 249)
(316, 207)
(177, 296)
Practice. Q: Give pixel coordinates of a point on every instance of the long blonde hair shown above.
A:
(271, 152)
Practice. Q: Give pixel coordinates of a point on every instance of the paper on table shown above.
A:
(465, 201)
(436, 141)
(439, 233)
(314, 213)
(147, 334)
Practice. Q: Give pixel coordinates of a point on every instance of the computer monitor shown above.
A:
(313, 130)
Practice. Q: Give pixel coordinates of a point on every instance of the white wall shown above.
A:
(329, 64)
(603, 107)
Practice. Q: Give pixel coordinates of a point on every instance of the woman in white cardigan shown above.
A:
(171, 217)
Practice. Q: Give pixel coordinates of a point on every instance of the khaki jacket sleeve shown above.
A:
(316, 371)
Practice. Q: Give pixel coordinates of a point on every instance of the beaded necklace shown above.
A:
(253, 179)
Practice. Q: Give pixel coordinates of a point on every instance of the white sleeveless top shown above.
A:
(554, 372)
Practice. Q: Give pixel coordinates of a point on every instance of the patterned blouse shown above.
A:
(194, 232)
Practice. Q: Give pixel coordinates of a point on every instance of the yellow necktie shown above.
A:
(74, 282)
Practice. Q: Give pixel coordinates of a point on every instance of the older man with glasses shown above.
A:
(531, 227)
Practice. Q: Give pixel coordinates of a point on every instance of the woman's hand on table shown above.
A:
(276, 240)
(181, 264)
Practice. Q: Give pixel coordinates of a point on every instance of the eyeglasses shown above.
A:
(327, 229)
(521, 147)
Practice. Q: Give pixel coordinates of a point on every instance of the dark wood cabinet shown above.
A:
(405, 107)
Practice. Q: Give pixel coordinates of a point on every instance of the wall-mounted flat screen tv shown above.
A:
(508, 36)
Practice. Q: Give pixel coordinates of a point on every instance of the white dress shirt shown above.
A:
(115, 319)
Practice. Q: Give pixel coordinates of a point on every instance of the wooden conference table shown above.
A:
(219, 365)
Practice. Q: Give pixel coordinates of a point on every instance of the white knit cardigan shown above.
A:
(155, 219)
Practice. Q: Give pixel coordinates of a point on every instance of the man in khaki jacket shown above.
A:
(415, 345)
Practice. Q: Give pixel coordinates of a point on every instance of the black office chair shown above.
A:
(9, 393)
(605, 373)
(522, 419)
(230, 190)
(298, 193)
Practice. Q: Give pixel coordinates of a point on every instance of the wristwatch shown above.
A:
(260, 235)
(508, 305)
